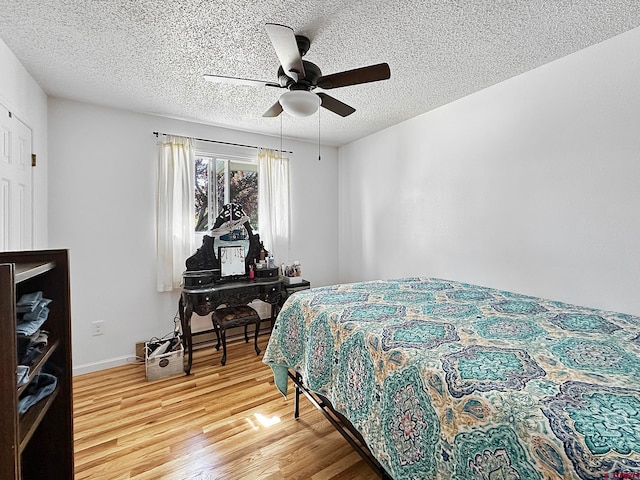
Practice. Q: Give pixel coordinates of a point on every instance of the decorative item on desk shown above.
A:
(234, 235)
(251, 272)
(292, 273)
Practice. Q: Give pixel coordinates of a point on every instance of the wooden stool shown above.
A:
(235, 316)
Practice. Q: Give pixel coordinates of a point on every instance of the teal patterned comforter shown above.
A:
(446, 380)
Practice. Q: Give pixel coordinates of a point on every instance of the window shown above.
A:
(232, 174)
(221, 180)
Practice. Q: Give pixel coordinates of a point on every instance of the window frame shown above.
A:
(227, 154)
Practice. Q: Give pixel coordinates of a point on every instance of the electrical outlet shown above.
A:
(97, 328)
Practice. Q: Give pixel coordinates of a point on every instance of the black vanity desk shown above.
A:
(204, 300)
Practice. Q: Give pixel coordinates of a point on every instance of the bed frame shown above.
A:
(340, 423)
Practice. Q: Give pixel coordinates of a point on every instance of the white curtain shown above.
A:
(175, 210)
(273, 202)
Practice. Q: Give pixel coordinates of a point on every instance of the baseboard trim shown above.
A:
(199, 341)
(103, 365)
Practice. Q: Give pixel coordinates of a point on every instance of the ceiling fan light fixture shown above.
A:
(300, 103)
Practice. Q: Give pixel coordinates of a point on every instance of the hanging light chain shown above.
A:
(319, 157)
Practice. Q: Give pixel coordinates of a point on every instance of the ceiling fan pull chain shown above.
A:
(319, 135)
(281, 136)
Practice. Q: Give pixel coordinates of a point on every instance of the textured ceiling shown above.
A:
(149, 56)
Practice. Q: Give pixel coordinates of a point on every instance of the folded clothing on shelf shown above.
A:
(23, 374)
(24, 342)
(28, 302)
(34, 314)
(29, 347)
(40, 387)
(31, 321)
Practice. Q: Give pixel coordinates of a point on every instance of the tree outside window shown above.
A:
(224, 180)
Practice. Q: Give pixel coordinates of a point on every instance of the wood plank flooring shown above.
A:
(217, 423)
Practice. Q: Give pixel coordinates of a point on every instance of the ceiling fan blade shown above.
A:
(274, 110)
(284, 43)
(372, 73)
(240, 81)
(336, 106)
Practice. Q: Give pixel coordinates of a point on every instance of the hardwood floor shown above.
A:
(218, 423)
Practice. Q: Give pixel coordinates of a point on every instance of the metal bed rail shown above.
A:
(340, 423)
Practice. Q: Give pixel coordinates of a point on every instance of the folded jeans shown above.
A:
(28, 302)
(30, 327)
(40, 387)
(23, 374)
(35, 313)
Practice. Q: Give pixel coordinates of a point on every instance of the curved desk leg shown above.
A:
(275, 310)
(224, 346)
(255, 338)
(216, 327)
(185, 320)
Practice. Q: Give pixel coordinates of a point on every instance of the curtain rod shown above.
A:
(223, 143)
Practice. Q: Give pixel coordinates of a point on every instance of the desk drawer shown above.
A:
(271, 293)
(200, 278)
(204, 303)
(267, 273)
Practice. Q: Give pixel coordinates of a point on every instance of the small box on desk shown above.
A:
(165, 364)
(292, 280)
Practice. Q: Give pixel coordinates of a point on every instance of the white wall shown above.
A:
(102, 207)
(532, 185)
(20, 94)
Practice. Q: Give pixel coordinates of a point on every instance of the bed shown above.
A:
(447, 380)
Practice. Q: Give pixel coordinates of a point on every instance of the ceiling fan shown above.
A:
(301, 77)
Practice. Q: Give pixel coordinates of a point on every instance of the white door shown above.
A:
(16, 211)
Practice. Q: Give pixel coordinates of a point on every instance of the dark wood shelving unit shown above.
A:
(40, 361)
(32, 418)
(39, 443)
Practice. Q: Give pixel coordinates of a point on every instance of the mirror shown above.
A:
(232, 260)
(233, 234)
(231, 246)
